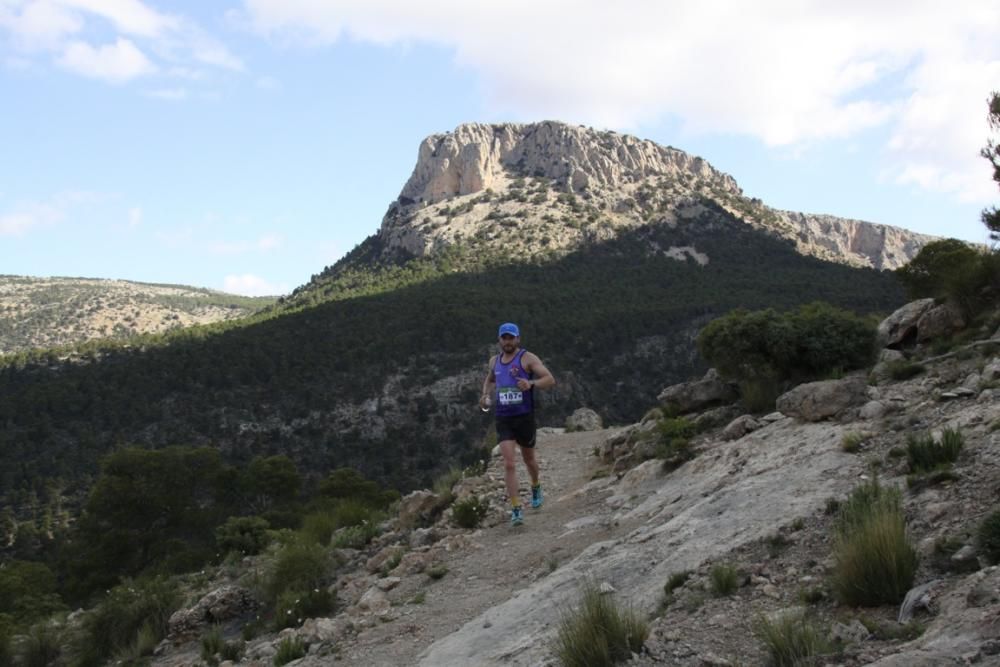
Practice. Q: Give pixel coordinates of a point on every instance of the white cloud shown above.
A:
(70, 29)
(115, 63)
(134, 217)
(268, 83)
(129, 16)
(263, 244)
(28, 216)
(788, 74)
(169, 94)
(251, 285)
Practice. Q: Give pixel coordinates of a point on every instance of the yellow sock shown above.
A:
(515, 501)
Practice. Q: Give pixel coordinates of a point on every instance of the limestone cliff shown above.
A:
(559, 186)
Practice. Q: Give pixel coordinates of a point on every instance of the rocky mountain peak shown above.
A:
(561, 186)
(479, 156)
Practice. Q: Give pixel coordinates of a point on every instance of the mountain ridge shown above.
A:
(46, 312)
(561, 186)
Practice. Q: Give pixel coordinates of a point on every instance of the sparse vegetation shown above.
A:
(988, 537)
(723, 579)
(599, 633)
(925, 454)
(290, 648)
(790, 640)
(875, 563)
(469, 512)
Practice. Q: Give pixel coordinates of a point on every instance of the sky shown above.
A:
(244, 146)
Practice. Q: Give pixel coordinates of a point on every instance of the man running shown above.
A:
(510, 384)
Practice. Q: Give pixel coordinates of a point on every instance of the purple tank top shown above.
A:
(510, 400)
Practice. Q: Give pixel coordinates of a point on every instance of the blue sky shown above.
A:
(245, 146)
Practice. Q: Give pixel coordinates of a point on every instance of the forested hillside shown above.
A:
(386, 381)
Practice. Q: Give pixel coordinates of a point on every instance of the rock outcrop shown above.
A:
(573, 185)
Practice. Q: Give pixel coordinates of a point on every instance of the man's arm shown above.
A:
(488, 384)
(543, 377)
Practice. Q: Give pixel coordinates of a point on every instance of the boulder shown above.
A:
(418, 507)
(815, 401)
(739, 427)
(940, 321)
(222, 604)
(901, 327)
(584, 419)
(699, 394)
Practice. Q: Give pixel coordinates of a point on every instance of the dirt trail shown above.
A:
(501, 559)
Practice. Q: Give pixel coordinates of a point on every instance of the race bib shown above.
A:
(510, 396)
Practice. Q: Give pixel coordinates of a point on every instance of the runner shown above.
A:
(510, 383)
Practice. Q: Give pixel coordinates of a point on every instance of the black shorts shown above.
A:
(519, 427)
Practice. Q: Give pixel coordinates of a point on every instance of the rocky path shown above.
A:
(500, 560)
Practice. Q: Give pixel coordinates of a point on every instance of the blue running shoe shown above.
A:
(536, 496)
(517, 516)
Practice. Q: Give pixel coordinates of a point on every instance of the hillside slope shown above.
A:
(760, 504)
(397, 372)
(58, 312)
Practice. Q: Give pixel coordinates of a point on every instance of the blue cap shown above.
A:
(509, 328)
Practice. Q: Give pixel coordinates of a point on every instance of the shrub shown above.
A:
(354, 537)
(290, 648)
(298, 567)
(875, 563)
(851, 442)
(318, 527)
(790, 640)
(114, 626)
(673, 444)
(950, 269)
(469, 512)
(243, 534)
(40, 648)
(903, 369)
(809, 342)
(988, 537)
(724, 579)
(437, 572)
(599, 633)
(675, 581)
(924, 454)
(295, 606)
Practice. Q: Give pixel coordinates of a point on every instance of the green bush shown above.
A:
(810, 342)
(40, 648)
(297, 582)
(988, 537)
(244, 534)
(599, 633)
(675, 581)
(875, 563)
(354, 537)
(903, 369)
(724, 579)
(128, 610)
(290, 648)
(790, 640)
(295, 606)
(318, 527)
(924, 454)
(673, 445)
(469, 512)
(950, 269)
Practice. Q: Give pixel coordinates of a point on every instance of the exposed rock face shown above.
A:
(699, 394)
(469, 184)
(815, 401)
(901, 326)
(477, 156)
(854, 241)
(584, 419)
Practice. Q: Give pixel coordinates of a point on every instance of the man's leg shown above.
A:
(528, 454)
(510, 470)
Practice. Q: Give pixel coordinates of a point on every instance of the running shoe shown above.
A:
(516, 516)
(536, 496)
